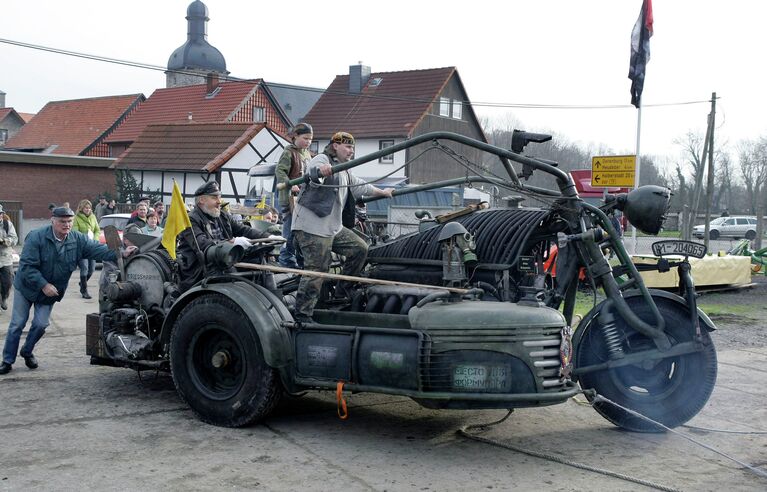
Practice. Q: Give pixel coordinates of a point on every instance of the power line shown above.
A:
(227, 78)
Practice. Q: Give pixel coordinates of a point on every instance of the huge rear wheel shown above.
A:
(218, 365)
(670, 391)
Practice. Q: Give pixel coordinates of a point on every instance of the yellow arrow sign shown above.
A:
(613, 170)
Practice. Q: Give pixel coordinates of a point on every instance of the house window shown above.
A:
(314, 148)
(3, 136)
(457, 107)
(444, 107)
(386, 159)
(259, 114)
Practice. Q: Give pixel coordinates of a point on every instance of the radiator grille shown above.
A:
(453, 362)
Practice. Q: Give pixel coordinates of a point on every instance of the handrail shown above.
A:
(564, 181)
(453, 182)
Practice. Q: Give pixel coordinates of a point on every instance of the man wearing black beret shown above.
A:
(210, 226)
(49, 257)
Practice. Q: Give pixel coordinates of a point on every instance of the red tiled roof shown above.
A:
(26, 116)
(173, 105)
(401, 99)
(190, 146)
(72, 125)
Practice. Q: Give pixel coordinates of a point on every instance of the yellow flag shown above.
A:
(176, 223)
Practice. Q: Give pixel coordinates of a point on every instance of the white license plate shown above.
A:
(481, 377)
(678, 247)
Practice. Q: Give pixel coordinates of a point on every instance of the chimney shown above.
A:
(358, 77)
(212, 80)
(2, 99)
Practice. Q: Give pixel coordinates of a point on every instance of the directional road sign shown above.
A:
(613, 170)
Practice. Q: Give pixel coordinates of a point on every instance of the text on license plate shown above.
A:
(685, 248)
(467, 377)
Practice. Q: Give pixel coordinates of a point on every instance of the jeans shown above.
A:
(288, 256)
(87, 267)
(19, 317)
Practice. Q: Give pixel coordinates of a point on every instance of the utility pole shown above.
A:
(710, 178)
(698, 189)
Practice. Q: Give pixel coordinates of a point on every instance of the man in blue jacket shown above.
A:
(49, 257)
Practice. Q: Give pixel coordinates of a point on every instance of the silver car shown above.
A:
(736, 226)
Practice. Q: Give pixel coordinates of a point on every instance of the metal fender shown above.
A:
(655, 293)
(264, 309)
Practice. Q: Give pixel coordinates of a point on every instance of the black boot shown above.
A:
(84, 288)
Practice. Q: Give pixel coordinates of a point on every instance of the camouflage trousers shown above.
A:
(317, 257)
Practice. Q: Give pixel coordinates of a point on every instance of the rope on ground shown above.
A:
(751, 468)
(724, 431)
(464, 431)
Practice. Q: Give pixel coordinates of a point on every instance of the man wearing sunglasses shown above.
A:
(318, 221)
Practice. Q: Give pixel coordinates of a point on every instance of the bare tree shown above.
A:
(753, 166)
(723, 197)
(692, 150)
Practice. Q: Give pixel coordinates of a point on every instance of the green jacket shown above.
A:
(287, 167)
(84, 223)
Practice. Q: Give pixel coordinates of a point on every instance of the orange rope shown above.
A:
(343, 413)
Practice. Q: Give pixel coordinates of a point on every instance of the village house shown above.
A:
(75, 127)
(382, 109)
(11, 121)
(192, 153)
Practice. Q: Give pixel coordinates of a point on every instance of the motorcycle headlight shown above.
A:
(645, 207)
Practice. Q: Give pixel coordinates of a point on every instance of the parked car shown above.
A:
(735, 226)
(117, 220)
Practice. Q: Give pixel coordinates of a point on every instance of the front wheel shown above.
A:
(713, 234)
(671, 390)
(218, 365)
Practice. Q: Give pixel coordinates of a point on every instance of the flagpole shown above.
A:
(637, 172)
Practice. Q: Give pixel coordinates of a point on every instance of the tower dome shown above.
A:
(196, 54)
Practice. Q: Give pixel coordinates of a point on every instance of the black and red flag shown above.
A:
(640, 51)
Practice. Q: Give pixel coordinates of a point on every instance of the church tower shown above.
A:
(193, 61)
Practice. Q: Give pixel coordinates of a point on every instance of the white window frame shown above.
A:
(457, 109)
(3, 136)
(259, 111)
(314, 147)
(386, 159)
(444, 107)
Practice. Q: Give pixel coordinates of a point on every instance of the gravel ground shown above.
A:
(739, 315)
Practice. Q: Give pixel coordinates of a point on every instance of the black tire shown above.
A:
(244, 389)
(713, 234)
(671, 392)
(751, 235)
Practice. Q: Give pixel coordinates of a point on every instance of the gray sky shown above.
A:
(554, 52)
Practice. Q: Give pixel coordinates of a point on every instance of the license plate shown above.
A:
(470, 377)
(678, 247)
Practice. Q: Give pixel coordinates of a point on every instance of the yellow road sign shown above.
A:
(613, 170)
